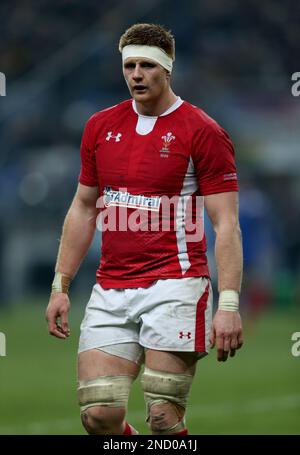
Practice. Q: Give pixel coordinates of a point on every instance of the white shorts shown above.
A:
(170, 315)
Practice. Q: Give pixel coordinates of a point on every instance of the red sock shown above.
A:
(182, 432)
(129, 430)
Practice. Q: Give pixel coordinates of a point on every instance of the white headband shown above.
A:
(152, 52)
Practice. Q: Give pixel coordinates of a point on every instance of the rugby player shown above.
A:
(149, 166)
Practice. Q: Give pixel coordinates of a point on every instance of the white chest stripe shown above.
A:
(188, 188)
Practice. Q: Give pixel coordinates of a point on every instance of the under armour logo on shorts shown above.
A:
(188, 335)
(110, 135)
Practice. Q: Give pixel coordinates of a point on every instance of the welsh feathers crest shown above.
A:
(167, 139)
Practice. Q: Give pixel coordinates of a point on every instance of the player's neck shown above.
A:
(157, 106)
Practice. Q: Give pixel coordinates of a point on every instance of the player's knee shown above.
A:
(164, 416)
(103, 403)
(166, 396)
(102, 420)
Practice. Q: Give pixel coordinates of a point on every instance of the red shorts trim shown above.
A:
(200, 321)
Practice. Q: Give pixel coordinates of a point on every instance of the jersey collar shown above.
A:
(172, 108)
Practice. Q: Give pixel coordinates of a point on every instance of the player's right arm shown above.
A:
(77, 234)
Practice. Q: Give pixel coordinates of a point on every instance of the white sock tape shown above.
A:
(152, 52)
(229, 300)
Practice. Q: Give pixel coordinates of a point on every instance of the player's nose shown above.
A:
(137, 73)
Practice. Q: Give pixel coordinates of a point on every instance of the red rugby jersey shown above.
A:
(152, 174)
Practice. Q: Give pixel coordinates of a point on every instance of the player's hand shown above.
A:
(57, 315)
(226, 333)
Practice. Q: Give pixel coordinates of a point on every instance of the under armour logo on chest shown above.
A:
(110, 135)
(188, 335)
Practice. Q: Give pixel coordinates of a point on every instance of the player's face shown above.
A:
(146, 79)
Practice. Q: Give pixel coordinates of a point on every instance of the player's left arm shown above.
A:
(226, 331)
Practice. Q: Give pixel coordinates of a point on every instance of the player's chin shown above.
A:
(140, 95)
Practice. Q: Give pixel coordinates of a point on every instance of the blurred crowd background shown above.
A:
(234, 59)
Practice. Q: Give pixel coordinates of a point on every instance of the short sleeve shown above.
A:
(213, 157)
(88, 171)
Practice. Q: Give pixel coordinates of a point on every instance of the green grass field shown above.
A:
(257, 392)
